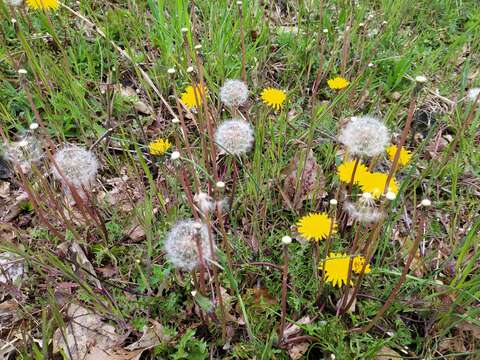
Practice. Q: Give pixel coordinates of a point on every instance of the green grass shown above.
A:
(67, 73)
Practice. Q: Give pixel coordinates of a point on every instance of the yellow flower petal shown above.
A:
(192, 96)
(405, 155)
(159, 147)
(338, 83)
(374, 183)
(315, 226)
(43, 4)
(345, 171)
(273, 97)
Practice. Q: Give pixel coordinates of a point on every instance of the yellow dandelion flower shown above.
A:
(273, 97)
(159, 147)
(374, 183)
(345, 171)
(315, 226)
(357, 265)
(338, 83)
(192, 96)
(43, 4)
(405, 155)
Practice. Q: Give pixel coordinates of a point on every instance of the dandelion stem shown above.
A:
(284, 292)
(242, 42)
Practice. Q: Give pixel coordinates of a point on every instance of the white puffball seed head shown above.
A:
(234, 93)
(421, 79)
(33, 126)
(220, 184)
(333, 202)
(366, 136)
(171, 71)
(473, 94)
(78, 165)
(234, 136)
(181, 244)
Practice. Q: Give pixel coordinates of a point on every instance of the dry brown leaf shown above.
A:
(303, 180)
(152, 336)
(85, 334)
(6, 349)
(261, 295)
(78, 256)
(293, 329)
(135, 231)
(385, 353)
(11, 267)
(4, 189)
(296, 351)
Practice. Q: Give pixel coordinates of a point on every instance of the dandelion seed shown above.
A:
(234, 93)
(361, 213)
(473, 94)
(234, 136)
(78, 166)
(192, 96)
(159, 147)
(338, 83)
(366, 136)
(374, 183)
(43, 4)
(181, 244)
(345, 171)
(15, 2)
(405, 155)
(204, 201)
(24, 153)
(315, 226)
(336, 267)
(273, 97)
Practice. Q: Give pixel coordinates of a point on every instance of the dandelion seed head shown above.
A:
(426, 203)
(421, 79)
(171, 71)
(78, 165)
(362, 213)
(333, 202)
(204, 201)
(234, 93)
(472, 94)
(33, 126)
(234, 136)
(390, 195)
(220, 184)
(181, 244)
(22, 71)
(24, 153)
(175, 155)
(366, 136)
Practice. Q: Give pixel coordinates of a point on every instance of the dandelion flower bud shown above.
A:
(286, 240)
(234, 93)
(181, 244)
(426, 202)
(234, 136)
(366, 136)
(77, 165)
(391, 195)
(175, 155)
(473, 94)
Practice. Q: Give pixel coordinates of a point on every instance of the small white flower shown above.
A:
(234, 93)
(234, 136)
(333, 202)
(175, 155)
(183, 30)
(181, 244)
(171, 71)
(391, 195)
(77, 165)
(286, 240)
(22, 71)
(33, 126)
(426, 202)
(366, 136)
(220, 184)
(421, 79)
(473, 94)
(325, 31)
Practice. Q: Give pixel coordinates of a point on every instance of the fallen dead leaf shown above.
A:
(152, 336)
(77, 255)
(296, 351)
(386, 353)
(86, 336)
(311, 183)
(11, 267)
